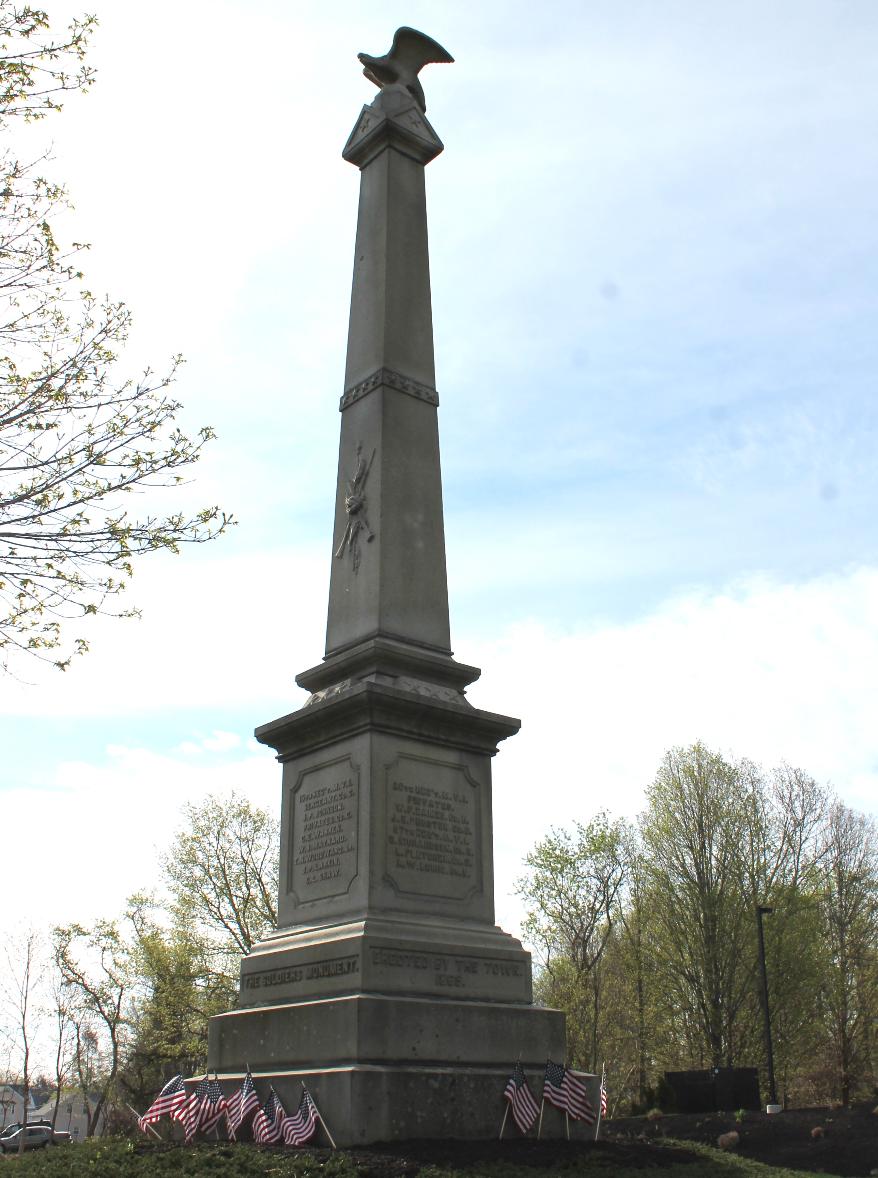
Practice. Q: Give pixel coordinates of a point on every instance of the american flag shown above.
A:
(190, 1113)
(524, 1107)
(268, 1121)
(302, 1125)
(566, 1091)
(213, 1107)
(170, 1100)
(241, 1104)
(603, 1095)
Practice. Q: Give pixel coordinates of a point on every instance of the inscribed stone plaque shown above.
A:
(432, 834)
(303, 976)
(456, 975)
(323, 837)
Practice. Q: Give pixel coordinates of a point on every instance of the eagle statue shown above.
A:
(409, 53)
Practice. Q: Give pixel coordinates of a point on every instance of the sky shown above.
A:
(654, 258)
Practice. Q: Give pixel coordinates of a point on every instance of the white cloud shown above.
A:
(765, 670)
(99, 827)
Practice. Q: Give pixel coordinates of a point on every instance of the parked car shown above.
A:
(35, 1137)
(14, 1125)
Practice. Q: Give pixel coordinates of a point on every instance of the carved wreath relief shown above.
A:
(355, 506)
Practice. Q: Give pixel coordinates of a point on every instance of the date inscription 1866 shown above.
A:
(324, 835)
(431, 829)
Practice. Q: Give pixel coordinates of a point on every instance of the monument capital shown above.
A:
(395, 121)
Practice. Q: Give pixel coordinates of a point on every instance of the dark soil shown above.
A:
(398, 1159)
(848, 1144)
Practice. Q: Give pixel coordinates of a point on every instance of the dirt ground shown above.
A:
(400, 1159)
(847, 1146)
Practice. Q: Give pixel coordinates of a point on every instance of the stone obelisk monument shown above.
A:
(387, 987)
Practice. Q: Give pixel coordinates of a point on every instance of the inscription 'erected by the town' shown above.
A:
(431, 829)
(324, 834)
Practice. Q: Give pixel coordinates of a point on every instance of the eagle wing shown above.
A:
(412, 50)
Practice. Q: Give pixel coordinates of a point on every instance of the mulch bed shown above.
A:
(400, 1159)
(848, 1145)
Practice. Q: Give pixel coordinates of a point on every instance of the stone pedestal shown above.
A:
(387, 987)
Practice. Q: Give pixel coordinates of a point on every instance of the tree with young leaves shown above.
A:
(98, 971)
(221, 871)
(703, 917)
(570, 892)
(848, 903)
(76, 439)
(177, 992)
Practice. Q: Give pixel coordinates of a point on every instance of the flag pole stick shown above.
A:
(597, 1127)
(567, 1123)
(540, 1125)
(149, 1127)
(320, 1117)
(503, 1124)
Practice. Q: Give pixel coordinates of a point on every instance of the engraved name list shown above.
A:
(324, 859)
(431, 830)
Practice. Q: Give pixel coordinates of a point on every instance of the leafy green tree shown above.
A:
(177, 992)
(632, 954)
(782, 821)
(849, 924)
(221, 872)
(703, 912)
(76, 439)
(570, 892)
(661, 971)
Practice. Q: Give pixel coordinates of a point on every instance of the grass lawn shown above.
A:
(126, 1159)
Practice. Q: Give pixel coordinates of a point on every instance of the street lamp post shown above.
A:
(762, 910)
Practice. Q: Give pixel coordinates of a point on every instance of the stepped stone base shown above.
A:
(390, 1068)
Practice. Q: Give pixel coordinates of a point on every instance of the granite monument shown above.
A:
(387, 986)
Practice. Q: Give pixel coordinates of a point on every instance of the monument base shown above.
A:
(390, 1068)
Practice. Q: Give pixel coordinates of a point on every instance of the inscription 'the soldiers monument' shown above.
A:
(387, 987)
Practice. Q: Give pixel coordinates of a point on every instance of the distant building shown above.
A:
(12, 1104)
(73, 1113)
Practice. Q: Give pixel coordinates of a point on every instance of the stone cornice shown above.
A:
(371, 707)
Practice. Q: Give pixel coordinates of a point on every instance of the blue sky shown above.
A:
(655, 281)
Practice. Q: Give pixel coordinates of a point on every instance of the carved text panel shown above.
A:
(432, 845)
(323, 860)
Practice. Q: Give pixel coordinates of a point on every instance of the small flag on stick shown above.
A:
(190, 1114)
(524, 1108)
(242, 1104)
(213, 1107)
(566, 1091)
(268, 1121)
(603, 1100)
(302, 1125)
(169, 1101)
